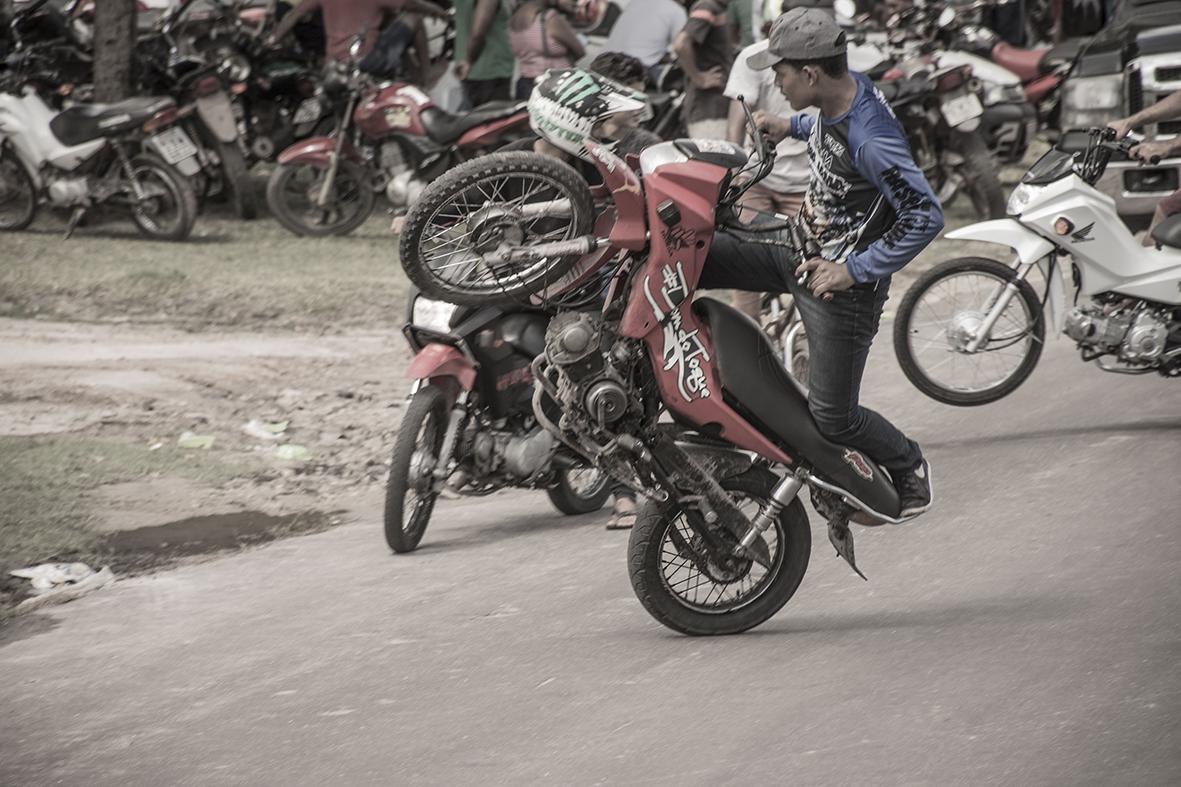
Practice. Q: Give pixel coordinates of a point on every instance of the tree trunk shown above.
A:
(114, 39)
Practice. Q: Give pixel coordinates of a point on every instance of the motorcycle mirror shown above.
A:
(753, 129)
(355, 47)
(845, 10)
(946, 17)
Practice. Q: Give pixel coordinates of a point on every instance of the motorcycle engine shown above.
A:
(521, 455)
(69, 191)
(588, 382)
(1134, 335)
(404, 189)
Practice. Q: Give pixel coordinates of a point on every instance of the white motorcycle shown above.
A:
(79, 158)
(970, 330)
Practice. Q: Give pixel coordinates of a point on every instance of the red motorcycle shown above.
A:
(722, 542)
(391, 138)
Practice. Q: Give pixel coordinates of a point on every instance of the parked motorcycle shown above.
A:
(722, 542)
(131, 154)
(169, 62)
(932, 34)
(940, 111)
(971, 330)
(469, 424)
(391, 138)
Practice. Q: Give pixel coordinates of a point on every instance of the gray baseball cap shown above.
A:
(800, 34)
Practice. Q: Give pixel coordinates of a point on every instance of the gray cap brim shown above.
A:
(762, 60)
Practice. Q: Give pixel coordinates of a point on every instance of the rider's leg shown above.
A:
(840, 333)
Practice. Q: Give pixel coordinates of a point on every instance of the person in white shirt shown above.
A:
(781, 192)
(645, 30)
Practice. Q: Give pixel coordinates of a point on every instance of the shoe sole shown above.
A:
(911, 513)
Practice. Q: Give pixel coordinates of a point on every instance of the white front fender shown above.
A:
(1030, 247)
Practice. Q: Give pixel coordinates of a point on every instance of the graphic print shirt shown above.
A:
(866, 192)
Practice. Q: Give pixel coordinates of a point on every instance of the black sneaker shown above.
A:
(915, 490)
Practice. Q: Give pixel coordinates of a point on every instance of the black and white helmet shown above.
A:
(568, 104)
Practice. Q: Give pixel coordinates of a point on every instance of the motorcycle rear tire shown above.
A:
(979, 172)
(645, 549)
(21, 183)
(571, 502)
(466, 176)
(289, 218)
(179, 191)
(237, 181)
(906, 312)
(428, 403)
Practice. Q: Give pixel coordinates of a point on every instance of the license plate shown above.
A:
(961, 109)
(308, 111)
(174, 145)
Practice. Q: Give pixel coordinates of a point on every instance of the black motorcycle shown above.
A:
(469, 425)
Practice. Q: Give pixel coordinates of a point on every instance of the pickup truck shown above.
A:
(1133, 63)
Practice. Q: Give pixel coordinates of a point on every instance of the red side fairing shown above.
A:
(484, 135)
(1039, 88)
(659, 308)
(441, 360)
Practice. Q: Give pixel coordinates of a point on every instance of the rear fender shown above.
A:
(1030, 248)
(441, 360)
(317, 152)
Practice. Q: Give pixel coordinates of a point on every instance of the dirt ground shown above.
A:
(143, 386)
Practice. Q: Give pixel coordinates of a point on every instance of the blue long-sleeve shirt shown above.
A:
(866, 193)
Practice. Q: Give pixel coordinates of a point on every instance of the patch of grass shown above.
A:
(230, 273)
(43, 481)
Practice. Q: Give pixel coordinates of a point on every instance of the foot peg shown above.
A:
(75, 218)
(841, 537)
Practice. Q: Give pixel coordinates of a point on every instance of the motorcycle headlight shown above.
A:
(1020, 199)
(433, 315)
(235, 68)
(1089, 93)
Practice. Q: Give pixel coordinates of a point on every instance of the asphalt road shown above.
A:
(1025, 632)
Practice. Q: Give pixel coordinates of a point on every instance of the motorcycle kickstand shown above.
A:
(841, 537)
(75, 218)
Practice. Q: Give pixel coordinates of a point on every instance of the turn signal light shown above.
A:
(161, 119)
(1062, 226)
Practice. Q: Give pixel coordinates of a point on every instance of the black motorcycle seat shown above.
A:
(897, 91)
(713, 151)
(753, 376)
(444, 128)
(85, 122)
(1168, 232)
(1060, 54)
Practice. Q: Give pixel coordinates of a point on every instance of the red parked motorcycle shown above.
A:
(722, 542)
(469, 424)
(391, 138)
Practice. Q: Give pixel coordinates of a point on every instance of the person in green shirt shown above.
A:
(483, 59)
(740, 22)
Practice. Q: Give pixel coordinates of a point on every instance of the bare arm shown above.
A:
(481, 21)
(703, 80)
(416, 7)
(736, 124)
(1165, 109)
(300, 11)
(557, 26)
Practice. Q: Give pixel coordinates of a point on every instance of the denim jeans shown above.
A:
(840, 333)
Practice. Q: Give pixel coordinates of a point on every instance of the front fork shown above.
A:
(1000, 303)
(334, 159)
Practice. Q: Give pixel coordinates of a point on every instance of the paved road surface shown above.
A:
(1027, 632)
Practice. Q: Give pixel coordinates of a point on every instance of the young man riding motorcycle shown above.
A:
(868, 210)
